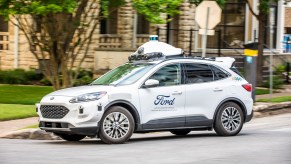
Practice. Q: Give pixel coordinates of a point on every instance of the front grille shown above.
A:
(53, 111)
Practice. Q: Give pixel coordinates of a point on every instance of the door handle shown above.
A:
(217, 89)
(177, 93)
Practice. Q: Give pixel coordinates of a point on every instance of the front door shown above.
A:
(163, 106)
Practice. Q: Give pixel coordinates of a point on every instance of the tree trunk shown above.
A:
(260, 58)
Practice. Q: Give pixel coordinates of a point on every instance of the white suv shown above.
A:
(154, 91)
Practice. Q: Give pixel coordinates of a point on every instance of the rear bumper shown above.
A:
(249, 117)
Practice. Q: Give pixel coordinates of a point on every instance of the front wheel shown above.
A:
(229, 119)
(117, 125)
(70, 137)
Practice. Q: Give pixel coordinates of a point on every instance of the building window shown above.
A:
(143, 25)
(108, 25)
(3, 36)
(232, 26)
(3, 25)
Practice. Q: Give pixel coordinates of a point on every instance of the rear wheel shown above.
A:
(180, 132)
(117, 125)
(71, 137)
(229, 119)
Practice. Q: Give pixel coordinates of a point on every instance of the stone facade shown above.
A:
(288, 17)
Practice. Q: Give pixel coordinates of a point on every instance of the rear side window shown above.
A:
(234, 69)
(218, 73)
(197, 73)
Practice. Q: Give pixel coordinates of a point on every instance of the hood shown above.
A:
(76, 91)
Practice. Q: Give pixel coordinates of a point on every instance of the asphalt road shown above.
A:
(263, 140)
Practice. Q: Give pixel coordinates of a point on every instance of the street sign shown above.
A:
(214, 14)
(208, 15)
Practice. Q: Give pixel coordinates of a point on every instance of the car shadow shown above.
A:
(147, 138)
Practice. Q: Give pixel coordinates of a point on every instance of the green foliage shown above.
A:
(45, 81)
(28, 95)
(16, 111)
(152, 9)
(262, 91)
(84, 78)
(37, 7)
(19, 76)
(105, 4)
(219, 2)
(277, 82)
(280, 69)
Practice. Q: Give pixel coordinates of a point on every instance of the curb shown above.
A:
(35, 134)
(265, 107)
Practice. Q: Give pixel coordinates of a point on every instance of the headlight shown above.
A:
(88, 97)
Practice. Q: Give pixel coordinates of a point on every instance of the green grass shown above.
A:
(16, 111)
(28, 95)
(31, 126)
(277, 99)
(262, 91)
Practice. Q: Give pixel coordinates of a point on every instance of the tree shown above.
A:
(264, 9)
(67, 28)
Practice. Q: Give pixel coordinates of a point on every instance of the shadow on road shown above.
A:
(138, 139)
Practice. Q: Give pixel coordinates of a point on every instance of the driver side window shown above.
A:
(168, 75)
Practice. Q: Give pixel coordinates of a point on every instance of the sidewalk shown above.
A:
(13, 125)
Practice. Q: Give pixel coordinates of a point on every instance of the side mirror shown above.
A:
(151, 83)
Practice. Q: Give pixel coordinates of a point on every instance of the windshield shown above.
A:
(123, 75)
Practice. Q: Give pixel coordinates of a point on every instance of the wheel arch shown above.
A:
(128, 106)
(234, 100)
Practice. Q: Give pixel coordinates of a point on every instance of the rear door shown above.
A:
(204, 91)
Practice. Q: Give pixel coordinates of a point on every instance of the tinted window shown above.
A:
(168, 75)
(234, 69)
(218, 73)
(198, 73)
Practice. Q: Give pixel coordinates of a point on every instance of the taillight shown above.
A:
(247, 87)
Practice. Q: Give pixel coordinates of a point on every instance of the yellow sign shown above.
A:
(249, 52)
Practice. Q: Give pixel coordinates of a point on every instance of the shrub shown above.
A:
(45, 81)
(280, 69)
(19, 76)
(277, 82)
(84, 77)
(85, 80)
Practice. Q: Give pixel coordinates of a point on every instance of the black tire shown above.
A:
(116, 125)
(70, 137)
(229, 119)
(180, 132)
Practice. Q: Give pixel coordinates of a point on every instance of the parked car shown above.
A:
(157, 90)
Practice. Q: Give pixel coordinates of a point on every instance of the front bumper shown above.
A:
(66, 128)
(60, 116)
